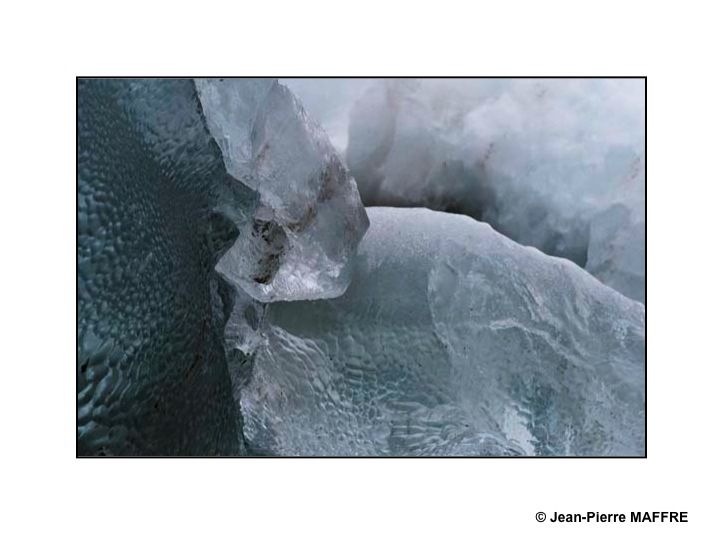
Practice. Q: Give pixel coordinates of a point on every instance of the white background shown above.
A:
(47, 493)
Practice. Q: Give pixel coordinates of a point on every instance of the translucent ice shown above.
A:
(541, 160)
(451, 340)
(309, 220)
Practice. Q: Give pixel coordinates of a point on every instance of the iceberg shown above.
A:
(299, 241)
(451, 340)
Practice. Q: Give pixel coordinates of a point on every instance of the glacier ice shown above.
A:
(299, 242)
(450, 340)
(151, 373)
(541, 160)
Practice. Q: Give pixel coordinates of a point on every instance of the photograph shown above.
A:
(361, 267)
(360, 271)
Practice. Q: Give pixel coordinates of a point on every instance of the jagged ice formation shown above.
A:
(310, 217)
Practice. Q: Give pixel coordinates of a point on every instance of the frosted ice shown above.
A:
(451, 340)
(309, 220)
(329, 102)
(541, 160)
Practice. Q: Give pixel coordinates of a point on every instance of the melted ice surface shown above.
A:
(451, 340)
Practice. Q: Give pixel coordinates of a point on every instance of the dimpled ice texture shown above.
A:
(152, 377)
(451, 340)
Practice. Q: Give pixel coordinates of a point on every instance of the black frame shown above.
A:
(77, 79)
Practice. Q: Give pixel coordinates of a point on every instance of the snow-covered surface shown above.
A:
(299, 242)
(451, 340)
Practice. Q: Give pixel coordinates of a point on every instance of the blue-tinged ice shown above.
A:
(451, 340)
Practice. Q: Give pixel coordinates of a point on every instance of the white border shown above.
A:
(47, 493)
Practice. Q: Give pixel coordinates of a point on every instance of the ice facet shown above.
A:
(309, 220)
(451, 340)
(538, 159)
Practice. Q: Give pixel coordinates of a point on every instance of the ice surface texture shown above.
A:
(171, 188)
(299, 243)
(541, 160)
(152, 376)
(451, 340)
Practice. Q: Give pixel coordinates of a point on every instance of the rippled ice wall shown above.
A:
(152, 376)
